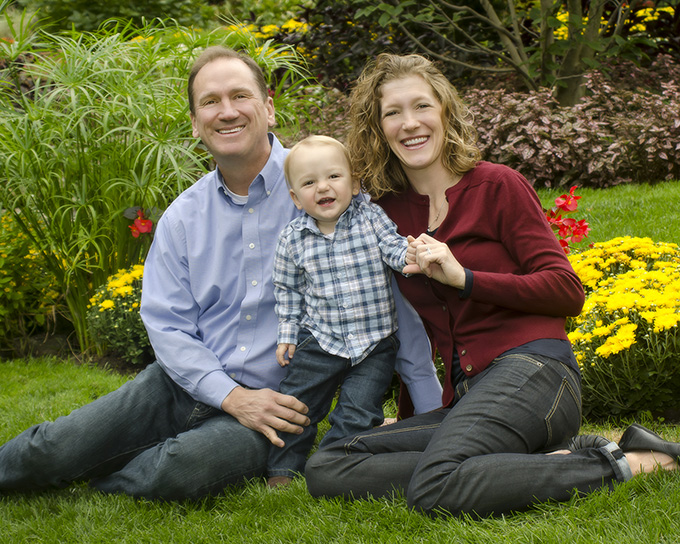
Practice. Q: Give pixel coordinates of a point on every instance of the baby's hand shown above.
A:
(282, 350)
(411, 251)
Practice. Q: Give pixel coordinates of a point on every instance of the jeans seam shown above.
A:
(358, 438)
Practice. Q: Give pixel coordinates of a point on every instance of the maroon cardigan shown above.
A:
(523, 286)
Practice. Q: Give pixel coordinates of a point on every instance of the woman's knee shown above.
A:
(319, 474)
(437, 492)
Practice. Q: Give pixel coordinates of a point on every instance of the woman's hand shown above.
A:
(434, 259)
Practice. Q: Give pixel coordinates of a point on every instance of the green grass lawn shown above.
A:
(644, 510)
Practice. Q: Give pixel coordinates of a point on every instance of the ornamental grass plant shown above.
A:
(627, 338)
(92, 124)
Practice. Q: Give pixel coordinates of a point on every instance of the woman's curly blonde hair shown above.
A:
(372, 159)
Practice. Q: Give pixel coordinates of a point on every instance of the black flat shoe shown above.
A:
(639, 438)
(584, 441)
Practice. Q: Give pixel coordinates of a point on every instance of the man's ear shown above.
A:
(194, 128)
(271, 112)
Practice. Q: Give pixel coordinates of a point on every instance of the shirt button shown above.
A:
(253, 283)
(243, 348)
(233, 375)
(350, 336)
(249, 317)
(251, 210)
(468, 368)
(443, 308)
(251, 246)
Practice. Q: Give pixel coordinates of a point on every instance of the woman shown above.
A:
(494, 293)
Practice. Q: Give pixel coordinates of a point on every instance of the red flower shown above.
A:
(141, 225)
(568, 230)
(568, 202)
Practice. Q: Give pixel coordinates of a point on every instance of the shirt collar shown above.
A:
(343, 224)
(269, 176)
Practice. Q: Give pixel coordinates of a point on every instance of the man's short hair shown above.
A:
(216, 52)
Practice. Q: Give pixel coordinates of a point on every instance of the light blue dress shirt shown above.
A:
(208, 298)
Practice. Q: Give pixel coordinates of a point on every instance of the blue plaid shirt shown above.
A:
(338, 286)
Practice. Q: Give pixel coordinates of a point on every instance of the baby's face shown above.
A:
(321, 184)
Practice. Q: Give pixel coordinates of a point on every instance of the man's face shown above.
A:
(232, 118)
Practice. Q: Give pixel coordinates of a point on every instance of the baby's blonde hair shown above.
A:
(311, 141)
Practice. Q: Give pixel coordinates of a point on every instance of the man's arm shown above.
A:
(171, 315)
(414, 359)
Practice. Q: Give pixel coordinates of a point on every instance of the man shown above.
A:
(203, 415)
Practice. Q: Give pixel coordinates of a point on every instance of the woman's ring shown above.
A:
(427, 248)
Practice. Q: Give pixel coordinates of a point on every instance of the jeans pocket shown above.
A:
(563, 420)
(200, 413)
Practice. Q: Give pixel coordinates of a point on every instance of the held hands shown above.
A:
(266, 411)
(428, 256)
(281, 351)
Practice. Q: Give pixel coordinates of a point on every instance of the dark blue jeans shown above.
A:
(313, 377)
(480, 457)
(148, 438)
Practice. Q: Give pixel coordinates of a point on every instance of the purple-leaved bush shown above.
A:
(616, 134)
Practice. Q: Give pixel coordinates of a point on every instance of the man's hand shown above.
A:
(266, 411)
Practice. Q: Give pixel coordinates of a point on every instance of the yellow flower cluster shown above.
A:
(268, 31)
(633, 295)
(645, 15)
(113, 316)
(649, 15)
(125, 283)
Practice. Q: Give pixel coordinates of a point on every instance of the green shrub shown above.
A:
(337, 43)
(27, 290)
(113, 317)
(88, 15)
(627, 338)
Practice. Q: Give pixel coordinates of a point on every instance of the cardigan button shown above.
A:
(464, 352)
(468, 368)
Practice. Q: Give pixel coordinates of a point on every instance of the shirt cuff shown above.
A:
(214, 388)
(426, 394)
(467, 290)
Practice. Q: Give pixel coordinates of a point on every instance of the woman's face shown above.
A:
(411, 119)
